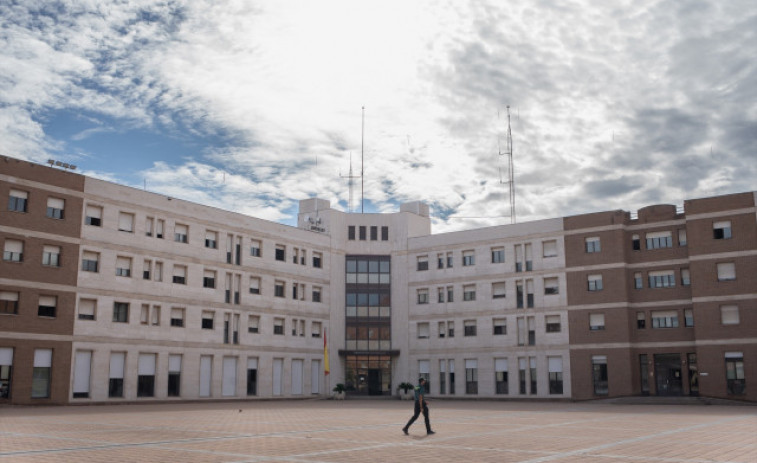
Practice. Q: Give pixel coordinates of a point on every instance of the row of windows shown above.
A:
(729, 315)
(523, 256)
(527, 376)
(662, 239)
(524, 292)
(18, 201)
(726, 271)
(363, 233)
(525, 328)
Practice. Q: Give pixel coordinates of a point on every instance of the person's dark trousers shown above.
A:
(417, 412)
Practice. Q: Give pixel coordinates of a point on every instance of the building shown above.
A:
(112, 294)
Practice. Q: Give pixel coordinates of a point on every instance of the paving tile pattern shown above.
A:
(370, 431)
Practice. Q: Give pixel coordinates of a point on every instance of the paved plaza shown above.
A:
(358, 430)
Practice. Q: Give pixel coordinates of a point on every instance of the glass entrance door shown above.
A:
(668, 378)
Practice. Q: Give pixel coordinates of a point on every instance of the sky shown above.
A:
(251, 106)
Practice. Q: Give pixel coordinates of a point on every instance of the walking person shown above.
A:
(420, 406)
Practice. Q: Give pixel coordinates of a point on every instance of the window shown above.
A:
(87, 309)
(121, 312)
(126, 222)
(82, 374)
(442, 376)
(317, 259)
(595, 282)
(253, 324)
(688, 318)
(531, 330)
(685, 277)
(665, 319)
(423, 296)
(6, 367)
(729, 314)
(374, 233)
(519, 294)
(449, 260)
(116, 375)
(638, 282)
(211, 239)
(596, 321)
(529, 257)
(158, 271)
(641, 320)
(47, 306)
(89, 262)
(726, 271)
(551, 286)
(450, 294)
(174, 375)
(209, 279)
(252, 376)
(177, 317)
(43, 362)
(469, 328)
(592, 244)
(549, 248)
(17, 200)
(552, 323)
(498, 290)
(442, 330)
(469, 292)
(208, 318)
(522, 374)
(636, 243)
(123, 266)
(255, 248)
(9, 302)
(180, 233)
(278, 288)
(682, 240)
(471, 376)
(498, 255)
(362, 232)
(422, 263)
(150, 315)
(315, 329)
(530, 293)
(440, 294)
(440, 261)
(451, 329)
(93, 215)
(13, 251)
(51, 256)
(599, 374)
(278, 326)
(500, 376)
(55, 208)
(424, 367)
(734, 373)
(554, 365)
(500, 326)
(160, 225)
(351, 232)
(721, 230)
(180, 274)
(469, 258)
(146, 375)
(254, 285)
(316, 294)
(659, 240)
(384, 233)
(662, 279)
(281, 253)
(423, 330)
(149, 224)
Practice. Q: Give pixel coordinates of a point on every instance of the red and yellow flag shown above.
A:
(326, 368)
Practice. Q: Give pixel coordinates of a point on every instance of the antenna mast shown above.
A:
(362, 158)
(510, 167)
(350, 184)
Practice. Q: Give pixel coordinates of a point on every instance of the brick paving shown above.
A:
(358, 430)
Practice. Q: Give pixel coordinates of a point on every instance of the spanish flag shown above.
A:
(326, 368)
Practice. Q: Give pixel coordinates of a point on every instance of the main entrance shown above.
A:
(667, 371)
(368, 374)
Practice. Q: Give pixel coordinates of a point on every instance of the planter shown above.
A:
(339, 395)
(407, 394)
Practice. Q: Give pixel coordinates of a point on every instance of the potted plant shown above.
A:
(339, 391)
(406, 391)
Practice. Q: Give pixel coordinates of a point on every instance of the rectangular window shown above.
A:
(17, 201)
(41, 373)
(422, 263)
(384, 233)
(351, 232)
(123, 266)
(51, 256)
(13, 251)
(722, 230)
(126, 222)
(638, 282)
(160, 226)
(278, 326)
(174, 375)
(592, 244)
(316, 294)
(121, 312)
(595, 282)
(116, 375)
(442, 330)
(442, 376)
(471, 376)
(498, 290)
(659, 240)
(734, 373)
(9, 302)
(549, 248)
(209, 279)
(469, 292)
(362, 232)
(93, 215)
(599, 374)
(529, 293)
(554, 365)
(449, 260)
(177, 317)
(47, 306)
(6, 367)
(499, 326)
(500, 376)
(685, 277)
(315, 329)
(255, 248)
(252, 376)
(281, 253)
(253, 324)
(374, 233)
(662, 279)
(498, 255)
(423, 296)
(180, 274)
(729, 314)
(254, 285)
(469, 328)
(87, 309)
(451, 329)
(531, 330)
(551, 286)
(55, 208)
(317, 260)
(146, 375)
(208, 319)
(641, 320)
(665, 319)
(552, 323)
(211, 239)
(450, 294)
(688, 318)
(423, 330)
(682, 240)
(726, 271)
(279, 289)
(469, 258)
(635, 243)
(519, 294)
(596, 321)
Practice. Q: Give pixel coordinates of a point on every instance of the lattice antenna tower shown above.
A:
(510, 167)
